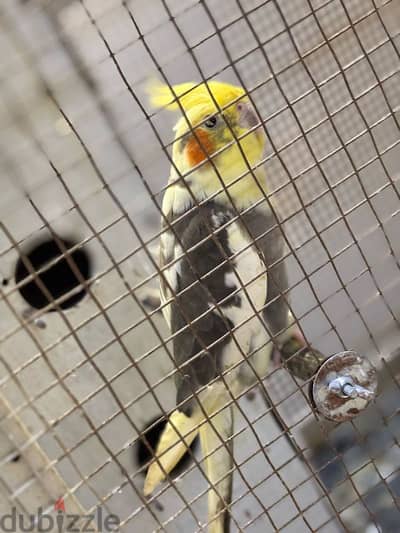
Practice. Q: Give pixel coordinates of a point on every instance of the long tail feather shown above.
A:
(219, 467)
(177, 436)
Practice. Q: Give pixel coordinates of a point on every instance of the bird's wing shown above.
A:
(264, 230)
(197, 273)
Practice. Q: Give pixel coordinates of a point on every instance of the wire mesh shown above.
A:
(85, 164)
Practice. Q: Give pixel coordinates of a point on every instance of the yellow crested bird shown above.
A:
(215, 286)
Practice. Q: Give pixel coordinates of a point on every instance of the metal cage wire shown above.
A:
(322, 76)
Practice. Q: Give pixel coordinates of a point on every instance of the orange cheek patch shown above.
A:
(198, 147)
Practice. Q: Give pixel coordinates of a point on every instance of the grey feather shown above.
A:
(271, 246)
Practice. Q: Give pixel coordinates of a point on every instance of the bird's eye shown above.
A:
(211, 122)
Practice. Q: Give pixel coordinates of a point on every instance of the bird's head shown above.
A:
(217, 118)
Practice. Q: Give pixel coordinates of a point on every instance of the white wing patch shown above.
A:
(218, 219)
(250, 279)
(172, 254)
(231, 280)
(169, 283)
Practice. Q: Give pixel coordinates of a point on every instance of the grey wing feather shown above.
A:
(271, 245)
(198, 342)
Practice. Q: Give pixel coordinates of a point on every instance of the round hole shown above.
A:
(4, 282)
(152, 433)
(59, 279)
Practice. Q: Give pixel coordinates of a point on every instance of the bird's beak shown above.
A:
(247, 116)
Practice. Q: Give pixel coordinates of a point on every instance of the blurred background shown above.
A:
(84, 161)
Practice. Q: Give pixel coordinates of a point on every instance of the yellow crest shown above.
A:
(190, 95)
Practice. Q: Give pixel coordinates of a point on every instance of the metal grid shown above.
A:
(323, 78)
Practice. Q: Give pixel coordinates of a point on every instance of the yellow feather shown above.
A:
(216, 445)
(177, 436)
(161, 95)
(191, 95)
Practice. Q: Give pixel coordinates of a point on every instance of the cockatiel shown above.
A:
(216, 283)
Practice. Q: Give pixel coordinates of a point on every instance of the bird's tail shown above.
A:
(177, 436)
(216, 444)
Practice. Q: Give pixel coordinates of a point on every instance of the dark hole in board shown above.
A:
(4, 282)
(16, 458)
(152, 433)
(59, 279)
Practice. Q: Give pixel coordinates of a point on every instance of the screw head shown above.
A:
(344, 385)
